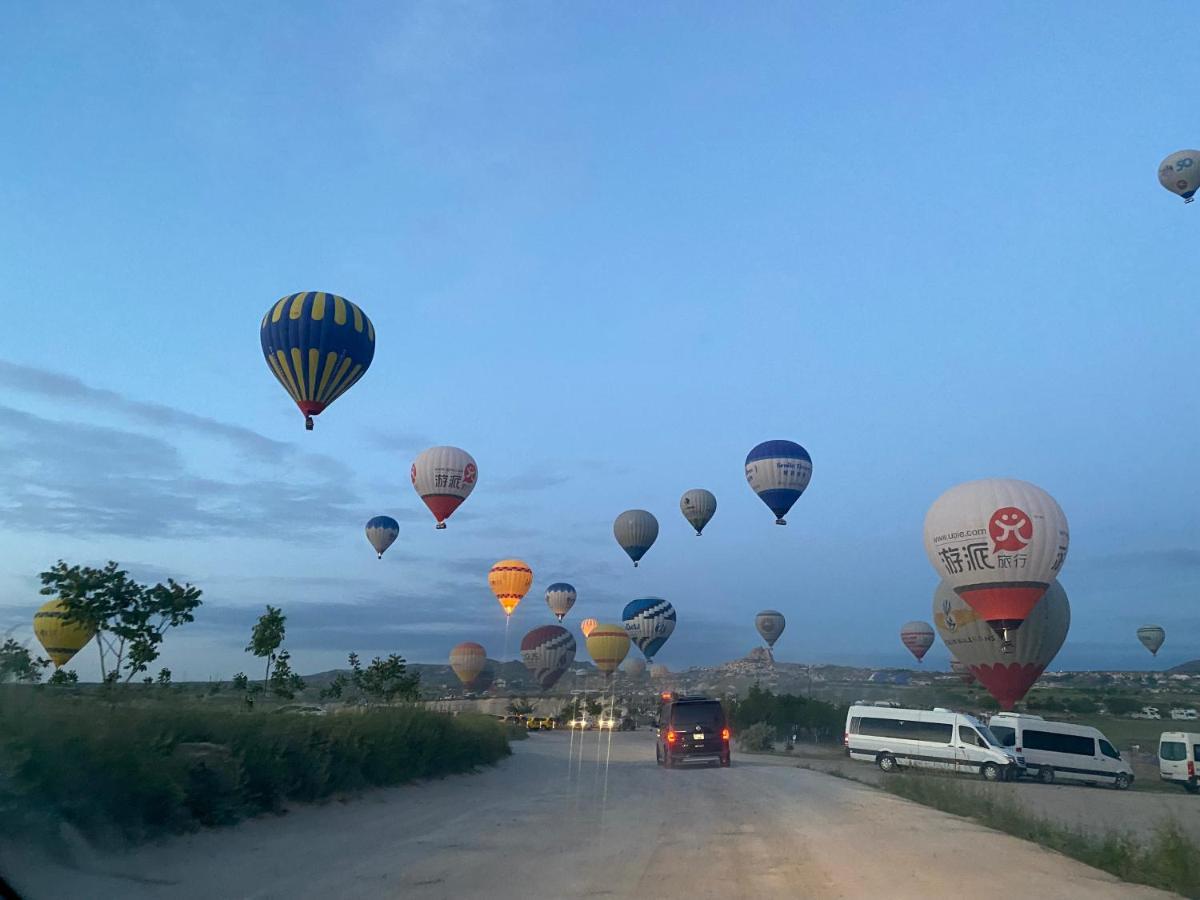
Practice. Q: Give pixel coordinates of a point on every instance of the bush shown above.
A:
(757, 738)
(144, 770)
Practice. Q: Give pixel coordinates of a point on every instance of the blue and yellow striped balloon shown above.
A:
(318, 345)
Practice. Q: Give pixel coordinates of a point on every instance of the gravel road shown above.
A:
(538, 826)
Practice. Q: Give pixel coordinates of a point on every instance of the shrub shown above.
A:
(757, 738)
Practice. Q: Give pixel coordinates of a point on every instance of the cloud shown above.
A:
(1177, 558)
(69, 389)
(532, 479)
(393, 440)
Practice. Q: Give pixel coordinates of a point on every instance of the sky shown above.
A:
(606, 249)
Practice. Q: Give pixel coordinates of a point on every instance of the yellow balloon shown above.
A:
(510, 580)
(61, 639)
(608, 646)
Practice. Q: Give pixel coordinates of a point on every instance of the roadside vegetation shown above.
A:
(1168, 859)
(782, 715)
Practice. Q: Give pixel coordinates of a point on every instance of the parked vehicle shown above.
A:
(1185, 715)
(1178, 757)
(1148, 712)
(692, 728)
(935, 739)
(607, 722)
(582, 723)
(1062, 751)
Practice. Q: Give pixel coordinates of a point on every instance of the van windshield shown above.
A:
(687, 715)
(988, 736)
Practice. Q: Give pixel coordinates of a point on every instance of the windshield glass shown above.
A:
(988, 736)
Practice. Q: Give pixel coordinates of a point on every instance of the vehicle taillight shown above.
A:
(724, 734)
(670, 737)
(1191, 769)
(845, 739)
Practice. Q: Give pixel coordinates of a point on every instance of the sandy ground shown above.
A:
(1093, 809)
(536, 826)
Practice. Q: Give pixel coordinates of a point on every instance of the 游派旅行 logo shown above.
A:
(1010, 529)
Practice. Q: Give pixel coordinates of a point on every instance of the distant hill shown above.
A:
(1187, 668)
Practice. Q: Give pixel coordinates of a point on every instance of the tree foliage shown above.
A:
(385, 680)
(284, 682)
(63, 677)
(814, 719)
(19, 665)
(266, 637)
(519, 706)
(130, 619)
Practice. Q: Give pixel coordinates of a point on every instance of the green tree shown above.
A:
(284, 682)
(19, 665)
(336, 688)
(130, 619)
(164, 676)
(593, 707)
(62, 677)
(266, 638)
(385, 679)
(519, 706)
(240, 681)
(1122, 706)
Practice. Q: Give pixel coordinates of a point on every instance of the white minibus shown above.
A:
(1062, 751)
(1178, 756)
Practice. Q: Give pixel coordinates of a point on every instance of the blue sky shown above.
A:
(607, 250)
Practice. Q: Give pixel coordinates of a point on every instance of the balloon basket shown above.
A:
(308, 423)
(440, 526)
(781, 521)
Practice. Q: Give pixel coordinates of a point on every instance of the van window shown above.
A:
(1059, 743)
(889, 728)
(969, 736)
(936, 732)
(688, 715)
(1005, 734)
(933, 732)
(1173, 751)
(1109, 750)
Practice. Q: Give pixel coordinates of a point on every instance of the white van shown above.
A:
(1062, 750)
(1185, 715)
(936, 739)
(1178, 757)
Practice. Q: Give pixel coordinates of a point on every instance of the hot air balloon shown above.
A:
(318, 345)
(1179, 173)
(962, 670)
(658, 671)
(467, 660)
(649, 621)
(1152, 637)
(381, 532)
(509, 580)
(1007, 676)
(770, 624)
(635, 530)
(778, 471)
(698, 507)
(444, 477)
(999, 543)
(586, 627)
(548, 652)
(608, 645)
(917, 637)
(634, 667)
(560, 597)
(60, 638)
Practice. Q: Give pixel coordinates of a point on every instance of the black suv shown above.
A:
(692, 728)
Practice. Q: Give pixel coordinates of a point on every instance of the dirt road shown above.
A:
(527, 828)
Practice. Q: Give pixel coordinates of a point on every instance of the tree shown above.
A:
(385, 679)
(240, 681)
(1122, 706)
(164, 676)
(62, 677)
(130, 619)
(336, 688)
(19, 665)
(266, 637)
(519, 706)
(592, 707)
(284, 682)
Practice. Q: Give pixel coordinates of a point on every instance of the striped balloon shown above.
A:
(698, 507)
(468, 660)
(60, 638)
(548, 652)
(917, 637)
(510, 580)
(560, 597)
(608, 645)
(586, 626)
(778, 471)
(1152, 637)
(770, 624)
(649, 621)
(382, 531)
(636, 531)
(443, 478)
(318, 346)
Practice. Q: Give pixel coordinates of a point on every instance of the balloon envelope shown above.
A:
(548, 652)
(999, 543)
(698, 507)
(962, 670)
(634, 667)
(467, 660)
(778, 471)
(382, 531)
(587, 625)
(770, 624)
(1179, 173)
(560, 597)
(443, 478)
(636, 531)
(658, 670)
(969, 638)
(608, 645)
(61, 639)
(649, 621)
(1152, 637)
(917, 637)
(509, 580)
(317, 345)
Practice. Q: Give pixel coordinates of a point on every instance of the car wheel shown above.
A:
(992, 772)
(887, 762)
(1046, 775)
(1121, 782)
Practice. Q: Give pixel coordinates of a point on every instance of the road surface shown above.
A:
(543, 825)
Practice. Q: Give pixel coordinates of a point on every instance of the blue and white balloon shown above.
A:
(560, 597)
(382, 531)
(649, 621)
(1179, 173)
(778, 471)
(698, 507)
(636, 531)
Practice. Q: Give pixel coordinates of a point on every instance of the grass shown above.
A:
(1169, 859)
(137, 771)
